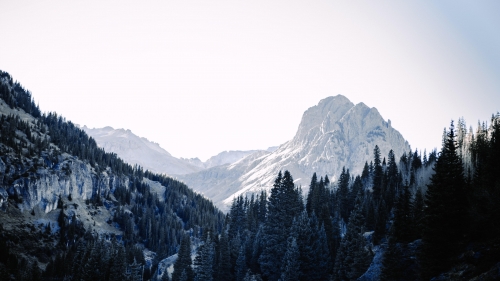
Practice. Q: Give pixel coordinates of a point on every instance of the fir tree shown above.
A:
(205, 261)
(343, 195)
(283, 205)
(353, 257)
(224, 265)
(311, 194)
(183, 263)
(241, 267)
(291, 264)
(402, 227)
(377, 174)
(445, 216)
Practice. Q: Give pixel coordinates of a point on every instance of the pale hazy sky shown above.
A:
(200, 77)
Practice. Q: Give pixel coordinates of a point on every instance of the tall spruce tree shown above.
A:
(303, 234)
(183, 263)
(343, 194)
(445, 215)
(224, 266)
(353, 257)
(311, 193)
(291, 264)
(378, 173)
(283, 205)
(205, 260)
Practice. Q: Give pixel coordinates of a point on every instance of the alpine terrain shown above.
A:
(140, 151)
(333, 134)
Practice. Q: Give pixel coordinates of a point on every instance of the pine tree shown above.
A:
(303, 234)
(119, 265)
(311, 193)
(183, 263)
(322, 261)
(380, 222)
(395, 265)
(402, 227)
(284, 204)
(291, 264)
(224, 266)
(418, 213)
(343, 195)
(353, 257)
(445, 216)
(377, 174)
(205, 261)
(241, 267)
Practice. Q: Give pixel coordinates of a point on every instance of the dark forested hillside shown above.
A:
(71, 211)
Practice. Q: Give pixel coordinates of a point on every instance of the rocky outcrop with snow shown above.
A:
(333, 134)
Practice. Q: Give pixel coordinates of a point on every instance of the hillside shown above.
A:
(61, 195)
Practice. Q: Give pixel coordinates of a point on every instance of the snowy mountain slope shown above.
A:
(137, 150)
(140, 151)
(333, 134)
(225, 157)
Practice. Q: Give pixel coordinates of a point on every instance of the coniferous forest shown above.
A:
(415, 217)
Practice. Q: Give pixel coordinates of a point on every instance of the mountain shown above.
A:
(149, 155)
(225, 157)
(333, 134)
(137, 150)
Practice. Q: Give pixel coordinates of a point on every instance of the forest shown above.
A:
(412, 219)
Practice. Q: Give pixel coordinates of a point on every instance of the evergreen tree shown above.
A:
(119, 265)
(302, 233)
(380, 222)
(353, 257)
(445, 215)
(311, 194)
(224, 266)
(343, 195)
(205, 260)
(418, 213)
(396, 264)
(377, 173)
(283, 205)
(402, 227)
(182, 265)
(322, 261)
(291, 264)
(241, 267)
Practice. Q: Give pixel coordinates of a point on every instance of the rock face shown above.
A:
(140, 151)
(332, 135)
(70, 177)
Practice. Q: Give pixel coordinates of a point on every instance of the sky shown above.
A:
(201, 77)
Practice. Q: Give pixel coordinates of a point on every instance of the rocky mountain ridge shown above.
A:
(149, 155)
(332, 135)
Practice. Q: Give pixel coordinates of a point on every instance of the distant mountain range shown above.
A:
(149, 155)
(333, 134)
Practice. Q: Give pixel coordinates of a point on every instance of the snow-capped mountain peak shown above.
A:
(333, 134)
